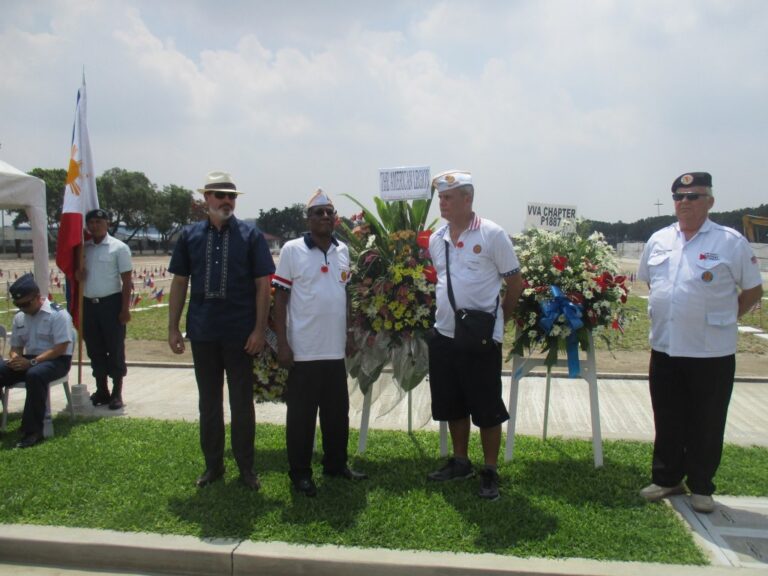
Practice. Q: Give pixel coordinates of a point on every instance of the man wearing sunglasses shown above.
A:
(227, 263)
(41, 351)
(311, 329)
(702, 278)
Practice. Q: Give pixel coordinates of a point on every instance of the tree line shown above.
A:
(137, 203)
(641, 230)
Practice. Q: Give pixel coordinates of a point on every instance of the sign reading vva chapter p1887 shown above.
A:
(549, 216)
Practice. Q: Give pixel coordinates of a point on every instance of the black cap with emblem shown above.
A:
(691, 179)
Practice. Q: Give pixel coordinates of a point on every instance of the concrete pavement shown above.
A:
(735, 537)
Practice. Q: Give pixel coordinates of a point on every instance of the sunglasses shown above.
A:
(23, 305)
(677, 197)
(323, 212)
(222, 195)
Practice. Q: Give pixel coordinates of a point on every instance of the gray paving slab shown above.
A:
(625, 407)
(735, 534)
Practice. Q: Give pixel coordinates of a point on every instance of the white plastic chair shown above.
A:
(48, 422)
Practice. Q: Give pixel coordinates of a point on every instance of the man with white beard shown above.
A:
(229, 265)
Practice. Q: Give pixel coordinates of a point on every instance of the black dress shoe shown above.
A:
(348, 474)
(116, 403)
(306, 486)
(250, 480)
(30, 440)
(100, 398)
(210, 476)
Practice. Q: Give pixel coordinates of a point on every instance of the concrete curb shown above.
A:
(168, 554)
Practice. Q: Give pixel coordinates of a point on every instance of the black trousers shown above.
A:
(104, 336)
(690, 398)
(37, 379)
(313, 385)
(212, 360)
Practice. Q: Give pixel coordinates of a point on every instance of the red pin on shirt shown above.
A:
(323, 268)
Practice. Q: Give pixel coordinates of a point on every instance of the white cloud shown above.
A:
(579, 102)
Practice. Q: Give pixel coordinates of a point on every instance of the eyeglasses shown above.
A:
(677, 197)
(323, 212)
(222, 195)
(23, 305)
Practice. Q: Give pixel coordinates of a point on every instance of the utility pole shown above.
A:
(658, 207)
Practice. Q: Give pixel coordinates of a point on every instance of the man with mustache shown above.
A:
(228, 264)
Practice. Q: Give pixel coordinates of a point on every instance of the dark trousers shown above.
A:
(313, 385)
(37, 379)
(212, 360)
(104, 336)
(690, 398)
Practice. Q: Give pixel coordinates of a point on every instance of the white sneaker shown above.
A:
(702, 503)
(654, 492)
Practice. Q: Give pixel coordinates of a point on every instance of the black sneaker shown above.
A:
(489, 484)
(453, 470)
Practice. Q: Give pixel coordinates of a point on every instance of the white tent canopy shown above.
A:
(20, 190)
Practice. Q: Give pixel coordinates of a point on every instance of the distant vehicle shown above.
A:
(750, 222)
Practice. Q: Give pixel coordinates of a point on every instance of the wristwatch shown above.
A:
(33, 362)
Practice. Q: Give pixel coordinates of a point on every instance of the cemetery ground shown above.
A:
(137, 475)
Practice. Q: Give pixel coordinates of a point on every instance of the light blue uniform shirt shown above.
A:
(104, 263)
(41, 332)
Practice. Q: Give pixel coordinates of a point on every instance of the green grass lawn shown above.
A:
(138, 475)
(152, 324)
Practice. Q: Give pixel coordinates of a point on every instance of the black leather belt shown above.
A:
(92, 300)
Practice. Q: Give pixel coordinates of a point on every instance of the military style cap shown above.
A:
(319, 198)
(24, 286)
(451, 179)
(691, 179)
(97, 213)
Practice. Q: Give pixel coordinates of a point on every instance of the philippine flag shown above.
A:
(79, 198)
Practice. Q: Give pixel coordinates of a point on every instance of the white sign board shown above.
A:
(549, 216)
(405, 183)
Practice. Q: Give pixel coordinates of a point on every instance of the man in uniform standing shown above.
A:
(311, 328)
(229, 265)
(41, 352)
(694, 269)
(467, 384)
(106, 307)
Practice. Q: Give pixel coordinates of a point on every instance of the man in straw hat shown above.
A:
(467, 383)
(227, 263)
(311, 327)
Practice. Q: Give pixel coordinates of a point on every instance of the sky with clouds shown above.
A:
(594, 103)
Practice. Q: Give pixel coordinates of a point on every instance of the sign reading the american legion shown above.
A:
(405, 183)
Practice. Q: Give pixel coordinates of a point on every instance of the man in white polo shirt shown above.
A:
(465, 383)
(106, 307)
(311, 327)
(694, 269)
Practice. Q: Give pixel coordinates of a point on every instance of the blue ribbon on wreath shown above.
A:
(551, 311)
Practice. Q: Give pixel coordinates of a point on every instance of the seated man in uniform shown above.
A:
(41, 352)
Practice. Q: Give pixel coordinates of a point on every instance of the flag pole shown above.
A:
(80, 312)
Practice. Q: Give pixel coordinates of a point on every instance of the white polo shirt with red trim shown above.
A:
(480, 260)
(317, 307)
(693, 302)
